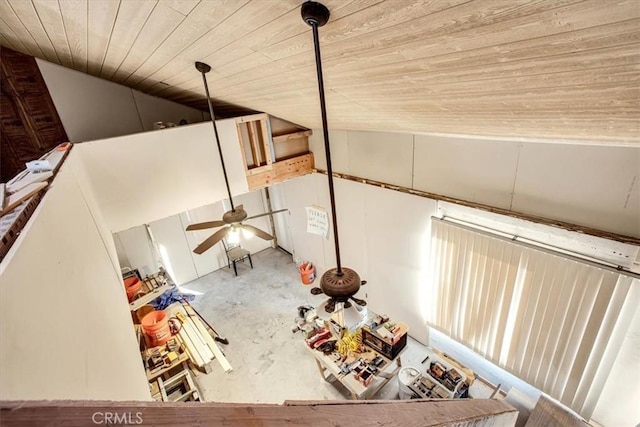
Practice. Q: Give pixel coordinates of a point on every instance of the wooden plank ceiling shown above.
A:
(561, 69)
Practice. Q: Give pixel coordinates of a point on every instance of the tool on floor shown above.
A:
(218, 337)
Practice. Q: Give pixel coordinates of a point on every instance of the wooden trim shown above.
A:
(253, 143)
(290, 136)
(461, 412)
(241, 142)
(541, 220)
(251, 118)
(267, 142)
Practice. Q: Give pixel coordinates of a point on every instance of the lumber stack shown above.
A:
(198, 343)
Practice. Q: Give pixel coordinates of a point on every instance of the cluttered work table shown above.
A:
(363, 354)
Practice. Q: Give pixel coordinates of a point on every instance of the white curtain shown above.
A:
(552, 321)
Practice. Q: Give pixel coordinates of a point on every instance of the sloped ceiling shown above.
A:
(561, 69)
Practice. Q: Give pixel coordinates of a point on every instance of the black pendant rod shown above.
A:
(204, 68)
(327, 150)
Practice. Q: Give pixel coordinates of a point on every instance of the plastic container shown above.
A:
(132, 285)
(156, 326)
(406, 377)
(307, 273)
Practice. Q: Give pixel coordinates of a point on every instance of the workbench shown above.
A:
(328, 368)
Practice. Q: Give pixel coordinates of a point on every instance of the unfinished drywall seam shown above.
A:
(515, 178)
(135, 104)
(413, 159)
(115, 263)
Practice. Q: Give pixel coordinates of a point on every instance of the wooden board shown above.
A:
(409, 413)
(30, 178)
(148, 297)
(16, 198)
(282, 171)
(209, 340)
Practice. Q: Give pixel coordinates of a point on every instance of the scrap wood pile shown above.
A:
(20, 196)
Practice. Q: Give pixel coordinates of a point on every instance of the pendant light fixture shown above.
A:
(340, 283)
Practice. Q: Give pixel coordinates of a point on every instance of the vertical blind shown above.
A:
(554, 322)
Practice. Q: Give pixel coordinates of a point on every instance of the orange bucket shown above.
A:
(307, 273)
(156, 326)
(132, 285)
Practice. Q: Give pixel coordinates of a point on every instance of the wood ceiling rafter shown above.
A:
(565, 69)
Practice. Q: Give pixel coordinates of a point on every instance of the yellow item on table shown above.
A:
(350, 342)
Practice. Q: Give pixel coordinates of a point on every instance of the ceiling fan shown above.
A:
(231, 220)
(340, 284)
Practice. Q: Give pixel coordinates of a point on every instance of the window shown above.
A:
(551, 320)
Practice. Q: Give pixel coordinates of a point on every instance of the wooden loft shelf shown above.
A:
(270, 159)
(292, 136)
(282, 171)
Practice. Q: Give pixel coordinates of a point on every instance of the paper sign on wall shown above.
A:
(317, 221)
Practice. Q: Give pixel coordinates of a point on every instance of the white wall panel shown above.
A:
(301, 192)
(589, 185)
(138, 250)
(90, 108)
(352, 225)
(170, 237)
(381, 156)
(281, 220)
(383, 236)
(398, 227)
(70, 336)
(595, 186)
(214, 258)
(148, 176)
(153, 109)
(474, 170)
(339, 150)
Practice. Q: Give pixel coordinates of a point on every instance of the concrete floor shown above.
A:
(255, 311)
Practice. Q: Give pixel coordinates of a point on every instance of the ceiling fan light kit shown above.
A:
(340, 283)
(232, 219)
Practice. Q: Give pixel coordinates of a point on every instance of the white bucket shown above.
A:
(406, 377)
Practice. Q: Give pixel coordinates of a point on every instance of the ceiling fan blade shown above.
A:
(261, 234)
(266, 213)
(212, 240)
(331, 306)
(204, 225)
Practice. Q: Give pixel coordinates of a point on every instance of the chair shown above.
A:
(235, 253)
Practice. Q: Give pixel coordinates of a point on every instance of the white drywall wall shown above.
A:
(66, 330)
(153, 109)
(176, 245)
(148, 176)
(595, 186)
(383, 236)
(481, 172)
(91, 108)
